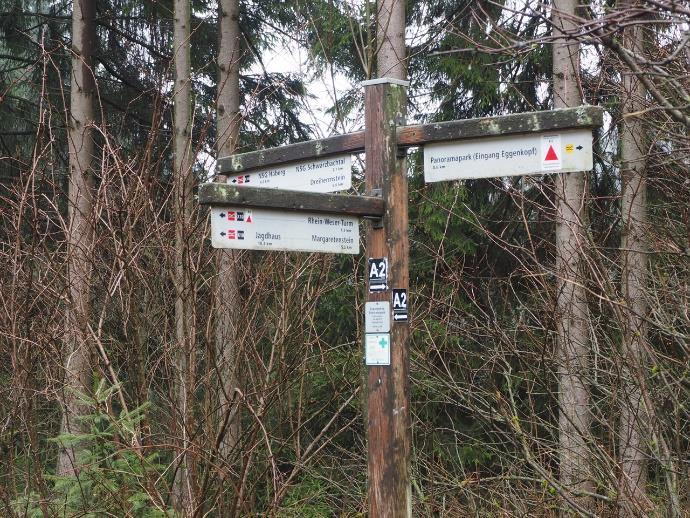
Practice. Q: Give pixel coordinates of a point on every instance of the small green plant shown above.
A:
(307, 499)
(112, 479)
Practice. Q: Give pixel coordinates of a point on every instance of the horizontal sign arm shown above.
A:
(337, 145)
(224, 195)
(408, 136)
(501, 125)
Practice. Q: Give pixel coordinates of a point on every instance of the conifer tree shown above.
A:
(572, 316)
(80, 230)
(634, 429)
(185, 332)
(228, 299)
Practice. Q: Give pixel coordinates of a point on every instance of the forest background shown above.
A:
(144, 374)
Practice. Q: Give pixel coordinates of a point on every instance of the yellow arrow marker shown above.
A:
(568, 148)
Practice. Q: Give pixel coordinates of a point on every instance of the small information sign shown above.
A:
(321, 175)
(566, 151)
(260, 229)
(377, 317)
(377, 349)
(399, 304)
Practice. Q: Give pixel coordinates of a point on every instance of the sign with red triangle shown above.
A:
(550, 152)
(551, 155)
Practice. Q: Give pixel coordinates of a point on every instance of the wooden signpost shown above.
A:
(389, 431)
(284, 192)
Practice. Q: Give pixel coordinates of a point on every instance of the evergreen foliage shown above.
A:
(484, 385)
(112, 480)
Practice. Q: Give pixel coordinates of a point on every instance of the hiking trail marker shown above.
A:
(378, 274)
(279, 199)
(399, 304)
(270, 219)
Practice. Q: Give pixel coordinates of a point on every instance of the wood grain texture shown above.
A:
(348, 143)
(388, 390)
(224, 195)
(516, 123)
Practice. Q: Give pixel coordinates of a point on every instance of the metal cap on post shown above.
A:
(385, 81)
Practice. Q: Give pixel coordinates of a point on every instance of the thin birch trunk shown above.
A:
(184, 287)
(228, 294)
(80, 232)
(572, 314)
(634, 419)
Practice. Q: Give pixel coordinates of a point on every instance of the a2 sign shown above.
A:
(378, 282)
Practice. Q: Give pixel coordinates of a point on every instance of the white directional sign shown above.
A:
(558, 152)
(259, 229)
(321, 175)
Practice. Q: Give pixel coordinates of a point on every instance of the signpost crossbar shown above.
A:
(337, 145)
(224, 195)
(502, 125)
(417, 135)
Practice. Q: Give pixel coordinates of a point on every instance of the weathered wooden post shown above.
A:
(283, 199)
(386, 339)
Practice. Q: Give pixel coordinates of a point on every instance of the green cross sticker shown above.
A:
(377, 348)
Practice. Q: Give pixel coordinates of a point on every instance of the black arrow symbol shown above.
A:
(234, 180)
(222, 233)
(222, 214)
(578, 148)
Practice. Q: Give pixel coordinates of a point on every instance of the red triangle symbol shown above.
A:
(249, 218)
(551, 155)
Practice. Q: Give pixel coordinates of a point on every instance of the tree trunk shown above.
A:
(184, 287)
(633, 425)
(572, 314)
(80, 230)
(390, 38)
(227, 295)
